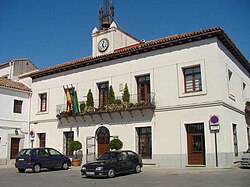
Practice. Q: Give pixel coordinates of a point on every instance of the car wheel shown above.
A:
(137, 168)
(36, 168)
(65, 166)
(111, 173)
(21, 170)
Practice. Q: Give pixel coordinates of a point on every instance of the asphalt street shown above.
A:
(149, 177)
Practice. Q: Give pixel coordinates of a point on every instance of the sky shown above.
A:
(51, 32)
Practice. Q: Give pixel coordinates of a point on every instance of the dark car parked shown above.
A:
(113, 162)
(37, 158)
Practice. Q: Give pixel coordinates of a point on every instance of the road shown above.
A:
(9, 177)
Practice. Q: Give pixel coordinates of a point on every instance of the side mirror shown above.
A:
(244, 152)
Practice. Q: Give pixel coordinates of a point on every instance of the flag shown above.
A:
(68, 99)
(75, 101)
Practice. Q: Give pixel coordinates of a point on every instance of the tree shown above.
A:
(75, 146)
(115, 144)
(90, 100)
(126, 94)
(111, 95)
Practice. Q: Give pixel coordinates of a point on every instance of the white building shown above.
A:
(15, 97)
(176, 85)
(14, 119)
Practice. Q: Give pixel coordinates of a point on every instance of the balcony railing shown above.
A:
(136, 103)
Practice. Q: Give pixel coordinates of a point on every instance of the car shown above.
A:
(111, 163)
(245, 159)
(38, 158)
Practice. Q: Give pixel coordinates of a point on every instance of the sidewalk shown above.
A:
(152, 168)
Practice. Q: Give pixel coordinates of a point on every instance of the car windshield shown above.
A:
(108, 156)
(24, 152)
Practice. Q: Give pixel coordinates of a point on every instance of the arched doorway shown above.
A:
(102, 136)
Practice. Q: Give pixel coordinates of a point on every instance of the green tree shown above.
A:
(126, 94)
(111, 95)
(90, 100)
(75, 146)
(115, 144)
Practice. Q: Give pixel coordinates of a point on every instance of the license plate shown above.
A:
(21, 159)
(90, 173)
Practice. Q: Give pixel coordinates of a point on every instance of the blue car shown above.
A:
(37, 158)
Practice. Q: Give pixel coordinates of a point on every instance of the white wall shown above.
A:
(9, 121)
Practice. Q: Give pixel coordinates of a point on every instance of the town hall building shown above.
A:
(183, 106)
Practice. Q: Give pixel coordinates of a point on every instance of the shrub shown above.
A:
(82, 106)
(111, 95)
(90, 100)
(126, 94)
(115, 144)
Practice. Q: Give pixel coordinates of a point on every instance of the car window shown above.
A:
(131, 154)
(248, 151)
(123, 156)
(54, 152)
(25, 152)
(42, 152)
(108, 156)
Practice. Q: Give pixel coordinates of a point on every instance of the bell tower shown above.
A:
(108, 37)
(106, 14)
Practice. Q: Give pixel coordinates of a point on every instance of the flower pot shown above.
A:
(76, 162)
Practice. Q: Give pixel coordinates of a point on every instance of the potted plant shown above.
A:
(115, 144)
(75, 146)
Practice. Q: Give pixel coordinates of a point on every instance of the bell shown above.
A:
(105, 22)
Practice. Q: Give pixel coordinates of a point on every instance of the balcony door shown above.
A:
(103, 93)
(143, 88)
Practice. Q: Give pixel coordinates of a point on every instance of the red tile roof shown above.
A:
(7, 83)
(150, 46)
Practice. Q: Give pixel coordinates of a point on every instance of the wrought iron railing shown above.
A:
(135, 102)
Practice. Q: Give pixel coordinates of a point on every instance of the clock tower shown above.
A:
(109, 38)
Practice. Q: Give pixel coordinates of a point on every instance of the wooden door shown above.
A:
(14, 147)
(102, 147)
(196, 144)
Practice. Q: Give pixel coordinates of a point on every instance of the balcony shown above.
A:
(136, 104)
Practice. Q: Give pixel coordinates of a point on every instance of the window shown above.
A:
(192, 79)
(143, 88)
(18, 106)
(145, 142)
(43, 102)
(42, 139)
(235, 141)
(230, 73)
(53, 152)
(103, 93)
(248, 136)
(0, 139)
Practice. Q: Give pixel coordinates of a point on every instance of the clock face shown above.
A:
(103, 45)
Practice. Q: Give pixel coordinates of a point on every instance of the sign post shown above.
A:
(215, 127)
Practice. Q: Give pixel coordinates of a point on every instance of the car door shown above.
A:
(43, 157)
(57, 158)
(122, 162)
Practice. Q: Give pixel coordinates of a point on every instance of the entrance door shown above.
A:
(14, 147)
(195, 144)
(68, 137)
(103, 137)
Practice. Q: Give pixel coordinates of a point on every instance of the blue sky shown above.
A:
(51, 32)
